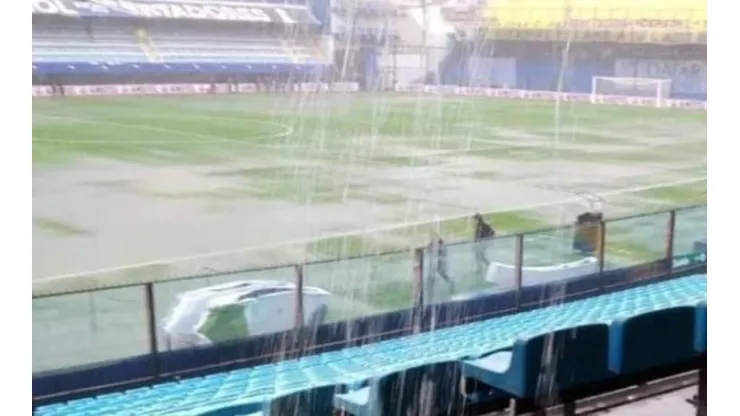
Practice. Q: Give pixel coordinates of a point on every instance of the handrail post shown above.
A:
(299, 321)
(152, 327)
(298, 339)
(519, 271)
(601, 250)
(417, 315)
(670, 239)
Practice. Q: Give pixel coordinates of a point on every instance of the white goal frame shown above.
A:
(662, 90)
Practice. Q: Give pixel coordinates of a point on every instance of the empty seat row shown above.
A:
(231, 59)
(223, 45)
(72, 44)
(86, 50)
(591, 353)
(222, 52)
(211, 36)
(355, 366)
(137, 55)
(94, 58)
(555, 361)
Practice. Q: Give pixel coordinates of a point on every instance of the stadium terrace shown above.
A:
(296, 207)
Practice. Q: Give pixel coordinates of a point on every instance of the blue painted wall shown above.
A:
(538, 65)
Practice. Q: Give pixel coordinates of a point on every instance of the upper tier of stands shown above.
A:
(677, 15)
(75, 42)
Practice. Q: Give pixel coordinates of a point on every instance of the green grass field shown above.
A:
(133, 181)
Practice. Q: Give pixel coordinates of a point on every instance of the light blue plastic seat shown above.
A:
(354, 402)
(399, 393)
(359, 364)
(582, 358)
(652, 339)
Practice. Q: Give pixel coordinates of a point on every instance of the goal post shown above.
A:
(657, 88)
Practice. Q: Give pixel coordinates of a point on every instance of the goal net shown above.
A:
(657, 88)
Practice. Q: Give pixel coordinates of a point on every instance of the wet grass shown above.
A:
(58, 227)
(152, 130)
(165, 130)
(678, 195)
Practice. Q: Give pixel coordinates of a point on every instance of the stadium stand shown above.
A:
(348, 367)
(70, 41)
(356, 366)
(685, 15)
(73, 41)
(582, 358)
(398, 393)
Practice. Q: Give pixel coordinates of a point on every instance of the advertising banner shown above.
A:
(256, 13)
(40, 91)
(513, 94)
(352, 87)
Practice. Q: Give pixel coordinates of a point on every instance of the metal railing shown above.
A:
(88, 326)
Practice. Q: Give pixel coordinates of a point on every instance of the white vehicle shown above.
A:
(504, 275)
(237, 310)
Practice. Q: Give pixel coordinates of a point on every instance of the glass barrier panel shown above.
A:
(224, 307)
(86, 328)
(560, 254)
(227, 263)
(362, 286)
(468, 269)
(635, 240)
(691, 228)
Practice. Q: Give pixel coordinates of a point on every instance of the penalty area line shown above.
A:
(205, 138)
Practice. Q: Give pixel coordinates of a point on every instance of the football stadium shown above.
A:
(369, 207)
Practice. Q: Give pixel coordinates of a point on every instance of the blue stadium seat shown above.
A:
(368, 362)
(433, 386)
(357, 401)
(317, 401)
(652, 339)
(580, 356)
(700, 328)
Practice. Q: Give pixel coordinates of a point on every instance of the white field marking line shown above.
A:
(507, 141)
(366, 231)
(181, 116)
(288, 130)
(426, 154)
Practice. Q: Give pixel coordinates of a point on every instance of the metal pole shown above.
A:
(701, 405)
(152, 327)
(299, 321)
(670, 238)
(519, 264)
(418, 270)
(601, 249)
(93, 320)
(424, 29)
(296, 339)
